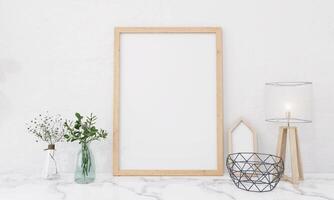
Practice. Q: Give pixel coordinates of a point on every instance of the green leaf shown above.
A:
(78, 116)
(77, 125)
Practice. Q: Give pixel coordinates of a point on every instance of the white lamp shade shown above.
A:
(288, 102)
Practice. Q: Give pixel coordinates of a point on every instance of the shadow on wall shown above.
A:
(7, 67)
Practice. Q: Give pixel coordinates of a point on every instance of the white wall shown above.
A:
(58, 56)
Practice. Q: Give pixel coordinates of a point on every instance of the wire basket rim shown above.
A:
(265, 154)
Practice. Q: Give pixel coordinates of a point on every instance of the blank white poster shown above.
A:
(168, 101)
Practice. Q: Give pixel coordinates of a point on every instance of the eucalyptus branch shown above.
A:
(83, 131)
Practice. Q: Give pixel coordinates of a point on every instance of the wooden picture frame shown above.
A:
(117, 131)
(251, 141)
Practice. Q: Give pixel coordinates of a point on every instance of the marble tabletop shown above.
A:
(18, 186)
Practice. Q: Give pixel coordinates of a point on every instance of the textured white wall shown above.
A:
(58, 56)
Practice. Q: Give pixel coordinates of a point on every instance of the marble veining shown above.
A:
(19, 186)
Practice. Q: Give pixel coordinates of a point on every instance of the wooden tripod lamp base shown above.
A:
(297, 169)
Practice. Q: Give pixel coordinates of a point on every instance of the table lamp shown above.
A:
(289, 103)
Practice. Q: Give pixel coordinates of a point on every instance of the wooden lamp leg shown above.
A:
(297, 169)
(281, 145)
(300, 164)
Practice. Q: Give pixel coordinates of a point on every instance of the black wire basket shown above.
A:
(256, 172)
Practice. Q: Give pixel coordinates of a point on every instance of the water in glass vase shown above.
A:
(85, 169)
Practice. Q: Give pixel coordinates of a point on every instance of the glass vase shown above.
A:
(85, 167)
(50, 170)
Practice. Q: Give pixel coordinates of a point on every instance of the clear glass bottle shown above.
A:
(50, 170)
(85, 167)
